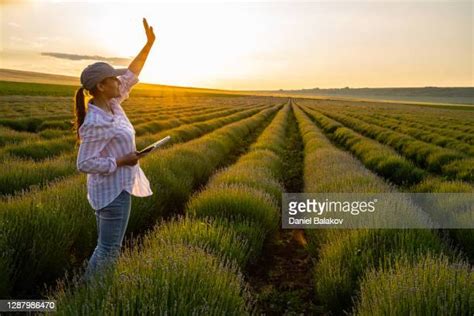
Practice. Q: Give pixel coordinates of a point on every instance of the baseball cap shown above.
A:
(96, 72)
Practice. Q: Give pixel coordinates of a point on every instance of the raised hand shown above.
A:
(149, 32)
(137, 63)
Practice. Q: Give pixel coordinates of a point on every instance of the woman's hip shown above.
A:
(118, 207)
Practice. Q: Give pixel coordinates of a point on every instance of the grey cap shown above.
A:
(96, 72)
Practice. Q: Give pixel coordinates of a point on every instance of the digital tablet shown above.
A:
(154, 146)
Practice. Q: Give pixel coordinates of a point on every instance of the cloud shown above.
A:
(113, 60)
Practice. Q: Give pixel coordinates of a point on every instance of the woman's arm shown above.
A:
(90, 161)
(137, 64)
(94, 138)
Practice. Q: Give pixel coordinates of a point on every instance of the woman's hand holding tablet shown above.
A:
(153, 146)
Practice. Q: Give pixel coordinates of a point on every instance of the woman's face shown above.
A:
(109, 87)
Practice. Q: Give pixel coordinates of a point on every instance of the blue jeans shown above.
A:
(112, 223)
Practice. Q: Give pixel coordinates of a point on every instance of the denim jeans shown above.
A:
(112, 223)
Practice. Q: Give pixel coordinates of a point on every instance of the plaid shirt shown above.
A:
(104, 138)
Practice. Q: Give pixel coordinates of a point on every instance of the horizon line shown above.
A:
(251, 90)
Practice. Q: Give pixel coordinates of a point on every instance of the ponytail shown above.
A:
(79, 111)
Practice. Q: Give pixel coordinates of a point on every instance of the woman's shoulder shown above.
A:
(94, 119)
(91, 125)
(95, 128)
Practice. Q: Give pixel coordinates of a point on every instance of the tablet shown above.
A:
(155, 145)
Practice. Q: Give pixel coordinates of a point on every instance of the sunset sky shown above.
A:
(251, 45)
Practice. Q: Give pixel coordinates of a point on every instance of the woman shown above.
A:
(107, 152)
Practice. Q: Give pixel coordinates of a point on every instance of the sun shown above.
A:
(196, 44)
